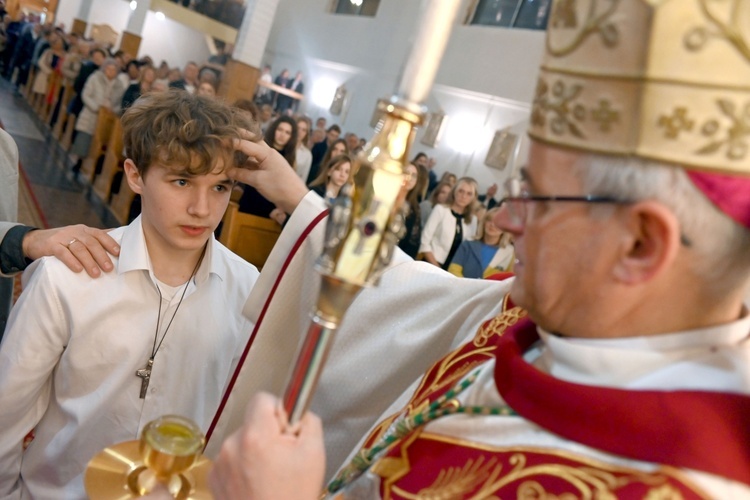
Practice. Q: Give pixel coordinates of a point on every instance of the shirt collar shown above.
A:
(134, 255)
(622, 360)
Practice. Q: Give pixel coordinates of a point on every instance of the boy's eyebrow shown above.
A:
(180, 173)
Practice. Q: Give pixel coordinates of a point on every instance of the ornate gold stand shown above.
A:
(168, 454)
(118, 472)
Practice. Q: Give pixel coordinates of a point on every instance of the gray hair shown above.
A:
(109, 62)
(719, 243)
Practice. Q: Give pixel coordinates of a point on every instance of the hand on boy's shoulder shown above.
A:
(79, 247)
(268, 172)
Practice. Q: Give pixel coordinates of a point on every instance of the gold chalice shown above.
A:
(168, 454)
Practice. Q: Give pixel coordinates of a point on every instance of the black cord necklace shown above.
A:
(145, 373)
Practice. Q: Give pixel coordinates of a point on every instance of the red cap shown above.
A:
(729, 193)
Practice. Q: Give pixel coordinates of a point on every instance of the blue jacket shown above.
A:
(467, 262)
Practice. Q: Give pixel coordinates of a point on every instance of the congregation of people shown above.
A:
(581, 332)
(443, 213)
(51, 60)
(321, 155)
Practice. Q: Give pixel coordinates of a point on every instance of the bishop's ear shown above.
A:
(652, 241)
(135, 180)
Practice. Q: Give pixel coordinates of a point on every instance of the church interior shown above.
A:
(480, 99)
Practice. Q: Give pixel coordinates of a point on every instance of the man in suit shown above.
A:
(280, 100)
(296, 85)
(189, 80)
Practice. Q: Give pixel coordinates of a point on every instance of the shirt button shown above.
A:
(153, 390)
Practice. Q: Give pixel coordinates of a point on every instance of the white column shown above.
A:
(254, 31)
(84, 10)
(137, 18)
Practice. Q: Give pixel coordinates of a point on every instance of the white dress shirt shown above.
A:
(73, 345)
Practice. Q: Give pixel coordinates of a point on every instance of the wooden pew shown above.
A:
(62, 114)
(249, 236)
(51, 96)
(103, 132)
(29, 85)
(121, 202)
(69, 126)
(113, 160)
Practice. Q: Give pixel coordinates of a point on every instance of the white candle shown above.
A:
(436, 22)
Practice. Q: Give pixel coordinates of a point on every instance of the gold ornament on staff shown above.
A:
(168, 454)
(367, 220)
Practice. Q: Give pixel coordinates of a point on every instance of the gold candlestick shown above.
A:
(168, 454)
(366, 222)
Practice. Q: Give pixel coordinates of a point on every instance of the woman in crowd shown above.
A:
(281, 136)
(450, 224)
(335, 175)
(134, 91)
(439, 195)
(338, 148)
(102, 89)
(131, 75)
(489, 254)
(78, 51)
(71, 66)
(420, 159)
(206, 89)
(304, 156)
(50, 63)
(449, 178)
(173, 76)
(162, 74)
(415, 185)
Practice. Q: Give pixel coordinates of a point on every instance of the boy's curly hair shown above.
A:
(186, 132)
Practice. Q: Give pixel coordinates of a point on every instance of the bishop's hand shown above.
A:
(266, 460)
(268, 172)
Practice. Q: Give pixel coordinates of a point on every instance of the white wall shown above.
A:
(67, 10)
(112, 12)
(162, 39)
(485, 82)
(173, 42)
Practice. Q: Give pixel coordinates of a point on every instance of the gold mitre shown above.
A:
(661, 79)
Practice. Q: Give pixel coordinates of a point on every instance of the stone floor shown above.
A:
(61, 198)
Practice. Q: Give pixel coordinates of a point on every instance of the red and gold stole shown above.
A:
(697, 430)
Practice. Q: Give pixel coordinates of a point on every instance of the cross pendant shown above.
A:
(145, 375)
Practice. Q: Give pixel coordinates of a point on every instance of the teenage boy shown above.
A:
(85, 362)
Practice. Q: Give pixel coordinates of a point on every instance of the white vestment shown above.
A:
(422, 313)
